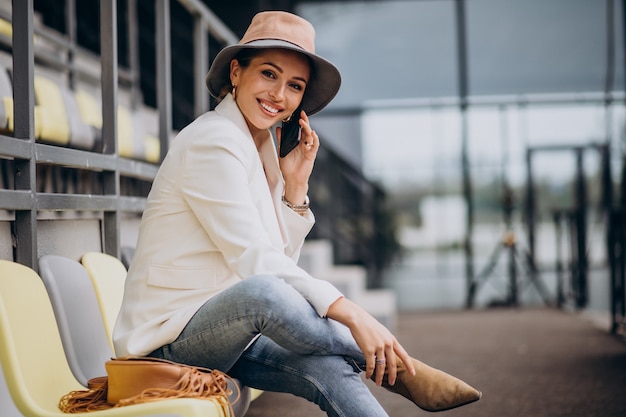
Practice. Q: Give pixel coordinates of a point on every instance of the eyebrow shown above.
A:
(279, 69)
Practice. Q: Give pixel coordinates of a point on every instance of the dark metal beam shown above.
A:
(24, 200)
(76, 158)
(164, 73)
(133, 53)
(16, 148)
(17, 200)
(461, 33)
(83, 202)
(111, 185)
(25, 225)
(201, 65)
(580, 214)
(618, 288)
(529, 207)
(216, 27)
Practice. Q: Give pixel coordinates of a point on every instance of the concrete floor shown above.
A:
(527, 362)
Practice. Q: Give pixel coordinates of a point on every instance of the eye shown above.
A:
(297, 86)
(268, 74)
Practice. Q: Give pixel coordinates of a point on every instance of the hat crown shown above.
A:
(281, 26)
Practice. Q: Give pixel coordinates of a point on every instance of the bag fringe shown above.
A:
(92, 399)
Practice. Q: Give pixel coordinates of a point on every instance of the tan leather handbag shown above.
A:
(135, 380)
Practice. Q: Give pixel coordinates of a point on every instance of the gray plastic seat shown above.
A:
(82, 136)
(78, 317)
(127, 255)
(6, 94)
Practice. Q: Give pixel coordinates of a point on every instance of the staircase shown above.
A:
(316, 258)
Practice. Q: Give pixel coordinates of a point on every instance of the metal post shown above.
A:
(616, 250)
(201, 65)
(70, 19)
(581, 230)
(620, 308)
(133, 53)
(111, 179)
(467, 181)
(507, 197)
(558, 230)
(512, 272)
(530, 206)
(618, 287)
(25, 226)
(163, 73)
(108, 52)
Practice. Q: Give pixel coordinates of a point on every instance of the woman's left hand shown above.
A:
(381, 349)
(297, 165)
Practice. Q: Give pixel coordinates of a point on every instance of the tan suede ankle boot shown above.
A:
(431, 389)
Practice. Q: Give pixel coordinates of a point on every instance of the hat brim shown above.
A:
(321, 89)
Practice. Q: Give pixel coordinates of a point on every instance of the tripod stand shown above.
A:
(518, 259)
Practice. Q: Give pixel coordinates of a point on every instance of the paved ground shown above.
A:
(527, 362)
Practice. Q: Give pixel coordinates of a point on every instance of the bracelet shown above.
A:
(298, 208)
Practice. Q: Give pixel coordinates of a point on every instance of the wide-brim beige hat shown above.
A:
(287, 31)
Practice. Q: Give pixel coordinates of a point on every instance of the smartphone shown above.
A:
(290, 136)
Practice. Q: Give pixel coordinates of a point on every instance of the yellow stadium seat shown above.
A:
(108, 275)
(8, 108)
(51, 121)
(125, 133)
(153, 149)
(89, 108)
(6, 28)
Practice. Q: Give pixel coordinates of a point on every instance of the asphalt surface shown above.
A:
(527, 362)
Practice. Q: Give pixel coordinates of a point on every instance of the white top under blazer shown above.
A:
(213, 217)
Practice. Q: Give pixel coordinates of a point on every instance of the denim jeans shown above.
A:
(295, 351)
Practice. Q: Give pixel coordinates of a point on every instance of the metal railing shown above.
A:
(22, 156)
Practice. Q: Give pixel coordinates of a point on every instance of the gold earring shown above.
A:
(288, 118)
(234, 92)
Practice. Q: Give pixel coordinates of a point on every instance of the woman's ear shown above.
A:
(235, 70)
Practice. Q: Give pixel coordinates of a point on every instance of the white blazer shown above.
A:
(214, 216)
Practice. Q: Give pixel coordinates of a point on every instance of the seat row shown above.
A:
(73, 117)
(55, 334)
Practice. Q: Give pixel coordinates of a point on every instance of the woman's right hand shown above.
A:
(297, 166)
(376, 341)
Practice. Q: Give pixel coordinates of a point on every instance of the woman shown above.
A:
(214, 281)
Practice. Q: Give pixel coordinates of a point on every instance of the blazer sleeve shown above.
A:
(216, 182)
(297, 228)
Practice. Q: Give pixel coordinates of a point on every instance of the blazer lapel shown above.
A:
(269, 158)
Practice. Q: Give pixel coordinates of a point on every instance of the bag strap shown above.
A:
(151, 359)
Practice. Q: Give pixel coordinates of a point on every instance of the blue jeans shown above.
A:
(297, 351)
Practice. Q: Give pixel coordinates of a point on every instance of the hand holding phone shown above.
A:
(290, 133)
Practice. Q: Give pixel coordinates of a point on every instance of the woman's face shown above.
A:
(271, 87)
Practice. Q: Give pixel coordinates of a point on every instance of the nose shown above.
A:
(278, 92)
